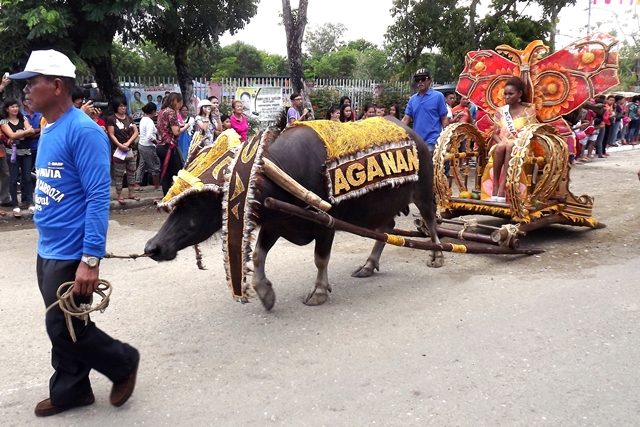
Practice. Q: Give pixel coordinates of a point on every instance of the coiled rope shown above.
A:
(68, 305)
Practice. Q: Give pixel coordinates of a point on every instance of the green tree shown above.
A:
(184, 24)
(629, 53)
(202, 59)
(127, 60)
(551, 9)
(421, 25)
(143, 60)
(295, 22)
(83, 29)
(372, 64)
(324, 39)
(454, 27)
(337, 65)
(227, 67)
(361, 45)
(248, 60)
(273, 65)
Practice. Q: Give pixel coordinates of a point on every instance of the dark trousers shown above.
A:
(22, 167)
(174, 166)
(601, 142)
(72, 361)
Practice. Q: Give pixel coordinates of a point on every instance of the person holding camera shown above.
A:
(95, 116)
(123, 132)
(295, 112)
(207, 122)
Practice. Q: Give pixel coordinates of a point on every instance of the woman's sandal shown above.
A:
(122, 202)
(136, 198)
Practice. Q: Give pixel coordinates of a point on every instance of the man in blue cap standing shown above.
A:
(428, 110)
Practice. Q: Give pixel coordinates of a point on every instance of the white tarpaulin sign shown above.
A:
(269, 103)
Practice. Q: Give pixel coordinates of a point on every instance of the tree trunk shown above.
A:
(13, 90)
(185, 80)
(103, 71)
(473, 15)
(554, 29)
(294, 26)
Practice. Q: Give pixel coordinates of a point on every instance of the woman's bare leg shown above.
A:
(498, 161)
(502, 188)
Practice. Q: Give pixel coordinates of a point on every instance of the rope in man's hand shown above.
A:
(68, 305)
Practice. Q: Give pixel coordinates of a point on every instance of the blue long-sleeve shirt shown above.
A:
(72, 190)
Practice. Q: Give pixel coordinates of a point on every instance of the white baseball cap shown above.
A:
(48, 63)
(204, 103)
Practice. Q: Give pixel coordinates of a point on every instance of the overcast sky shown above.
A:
(369, 19)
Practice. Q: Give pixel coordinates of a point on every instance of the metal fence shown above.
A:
(358, 90)
(200, 84)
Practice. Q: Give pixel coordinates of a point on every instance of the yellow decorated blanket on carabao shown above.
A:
(364, 156)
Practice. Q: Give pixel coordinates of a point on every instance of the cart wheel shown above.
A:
(542, 155)
(448, 150)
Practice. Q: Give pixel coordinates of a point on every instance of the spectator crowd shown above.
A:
(153, 148)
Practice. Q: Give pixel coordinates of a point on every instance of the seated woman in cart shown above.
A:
(509, 121)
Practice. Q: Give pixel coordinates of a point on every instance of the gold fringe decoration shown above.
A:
(504, 212)
(225, 142)
(341, 139)
(587, 221)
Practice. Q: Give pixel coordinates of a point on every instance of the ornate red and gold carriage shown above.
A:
(538, 179)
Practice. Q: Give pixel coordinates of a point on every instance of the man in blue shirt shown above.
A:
(34, 121)
(71, 214)
(427, 109)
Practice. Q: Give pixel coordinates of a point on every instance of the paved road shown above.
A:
(549, 340)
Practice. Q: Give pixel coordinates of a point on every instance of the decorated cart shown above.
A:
(537, 180)
(374, 163)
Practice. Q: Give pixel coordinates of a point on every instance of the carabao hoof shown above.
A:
(435, 260)
(367, 269)
(317, 296)
(364, 271)
(266, 294)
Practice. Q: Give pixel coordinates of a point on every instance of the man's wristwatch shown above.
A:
(91, 261)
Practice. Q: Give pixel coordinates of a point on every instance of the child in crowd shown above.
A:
(226, 122)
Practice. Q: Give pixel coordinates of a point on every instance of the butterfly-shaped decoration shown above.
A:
(559, 83)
